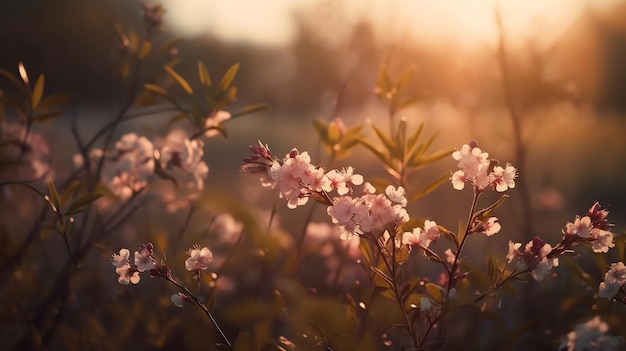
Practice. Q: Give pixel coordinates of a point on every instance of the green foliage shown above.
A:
(337, 140)
(403, 154)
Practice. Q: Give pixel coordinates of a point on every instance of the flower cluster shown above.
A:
(539, 257)
(129, 272)
(370, 213)
(614, 279)
(128, 166)
(593, 228)
(25, 147)
(481, 172)
(183, 156)
(591, 336)
(535, 258)
(296, 180)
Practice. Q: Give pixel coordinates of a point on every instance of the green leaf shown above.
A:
(383, 84)
(382, 275)
(203, 73)
(389, 144)
(54, 194)
(37, 92)
(434, 291)
(69, 191)
(180, 80)
(366, 250)
(160, 91)
(45, 232)
(44, 116)
(493, 270)
(409, 102)
(405, 77)
(82, 200)
(13, 78)
(485, 214)
(402, 255)
(374, 150)
(146, 46)
(434, 157)
(461, 232)
(431, 187)
(55, 100)
(415, 137)
(250, 109)
(228, 77)
(169, 46)
(401, 140)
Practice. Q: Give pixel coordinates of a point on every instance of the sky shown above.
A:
(464, 22)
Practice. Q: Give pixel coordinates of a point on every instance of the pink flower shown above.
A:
(490, 227)
(128, 166)
(534, 257)
(581, 227)
(199, 259)
(591, 335)
(184, 157)
(128, 274)
(450, 256)
(613, 280)
(472, 160)
(143, 258)
(476, 168)
(396, 195)
(29, 149)
(504, 177)
(420, 237)
(214, 121)
(458, 180)
(121, 259)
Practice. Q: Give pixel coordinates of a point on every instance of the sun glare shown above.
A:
(467, 23)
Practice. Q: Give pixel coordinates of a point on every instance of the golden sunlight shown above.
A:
(466, 23)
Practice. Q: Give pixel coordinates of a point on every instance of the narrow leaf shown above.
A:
(485, 214)
(69, 192)
(145, 49)
(169, 46)
(374, 150)
(389, 144)
(436, 156)
(13, 78)
(180, 80)
(229, 76)
(250, 109)
(54, 194)
(203, 73)
(82, 200)
(55, 100)
(382, 275)
(160, 91)
(431, 187)
(46, 115)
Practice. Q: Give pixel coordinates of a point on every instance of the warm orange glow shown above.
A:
(465, 22)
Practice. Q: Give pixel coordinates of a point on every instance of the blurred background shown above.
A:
(566, 61)
(548, 78)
